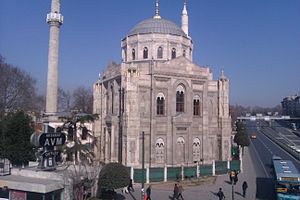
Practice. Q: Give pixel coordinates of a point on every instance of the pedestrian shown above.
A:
(244, 186)
(231, 175)
(176, 190)
(235, 179)
(180, 190)
(220, 194)
(148, 193)
(125, 190)
(130, 186)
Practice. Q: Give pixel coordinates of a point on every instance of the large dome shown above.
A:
(156, 26)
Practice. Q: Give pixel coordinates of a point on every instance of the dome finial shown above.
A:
(156, 16)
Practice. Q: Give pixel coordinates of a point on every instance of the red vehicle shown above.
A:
(253, 136)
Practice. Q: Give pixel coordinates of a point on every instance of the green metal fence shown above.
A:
(205, 170)
(138, 175)
(221, 167)
(156, 174)
(174, 173)
(235, 165)
(190, 172)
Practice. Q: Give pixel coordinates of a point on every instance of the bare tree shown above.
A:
(17, 89)
(64, 100)
(83, 99)
(84, 179)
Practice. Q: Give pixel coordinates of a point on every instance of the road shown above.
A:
(261, 150)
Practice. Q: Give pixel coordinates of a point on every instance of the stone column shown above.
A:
(165, 173)
(198, 170)
(214, 168)
(112, 144)
(147, 175)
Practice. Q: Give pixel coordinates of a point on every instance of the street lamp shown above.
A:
(143, 166)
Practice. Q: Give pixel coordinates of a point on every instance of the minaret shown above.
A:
(55, 20)
(185, 20)
(156, 16)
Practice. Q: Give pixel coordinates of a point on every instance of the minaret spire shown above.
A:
(185, 19)
(55, 20)
(156, 16)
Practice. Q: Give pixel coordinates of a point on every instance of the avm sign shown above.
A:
(52, 139)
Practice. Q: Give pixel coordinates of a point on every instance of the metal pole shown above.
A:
(143, 166)
(232, 189)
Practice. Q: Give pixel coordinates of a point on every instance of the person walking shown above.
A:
(176, 190)
(235, 179)
(130, 186)
(180, 190)
(244, 186)
(232, 175)
(148, 193)
(220, 194)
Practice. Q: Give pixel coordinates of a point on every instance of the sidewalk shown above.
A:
(206, 190)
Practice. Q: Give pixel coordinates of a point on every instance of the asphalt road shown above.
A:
(261, 150)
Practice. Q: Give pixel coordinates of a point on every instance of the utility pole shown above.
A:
(232, 190)
(143, 166)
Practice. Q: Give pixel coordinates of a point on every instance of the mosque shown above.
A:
(159, 97)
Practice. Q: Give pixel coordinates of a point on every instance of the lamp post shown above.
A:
(232, 190)
(143, 166)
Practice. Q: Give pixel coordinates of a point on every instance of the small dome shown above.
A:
(156, 26)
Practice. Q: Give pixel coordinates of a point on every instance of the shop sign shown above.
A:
(52, 139)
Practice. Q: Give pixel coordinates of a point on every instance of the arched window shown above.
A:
(160, 104)
(160, 52)
(184, 53)
(124, 55)
(173, 53)
(159, 150)
(180, 99)
(112, 97)
(145, 53)
(196, 150)
(196, 106)
(133, 54)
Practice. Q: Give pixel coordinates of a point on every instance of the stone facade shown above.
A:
(182, 111)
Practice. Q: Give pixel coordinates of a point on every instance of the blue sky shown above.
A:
(256, 42)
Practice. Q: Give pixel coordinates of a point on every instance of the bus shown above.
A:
(294, 127)
(287, 179)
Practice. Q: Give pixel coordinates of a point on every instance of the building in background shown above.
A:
(158, 90)
(291, 106)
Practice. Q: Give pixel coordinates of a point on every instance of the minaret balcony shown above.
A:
(54, 17)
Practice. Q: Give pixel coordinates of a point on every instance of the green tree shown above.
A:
(15, 132)
(75, 127)
(113, 176)
(241, 137)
